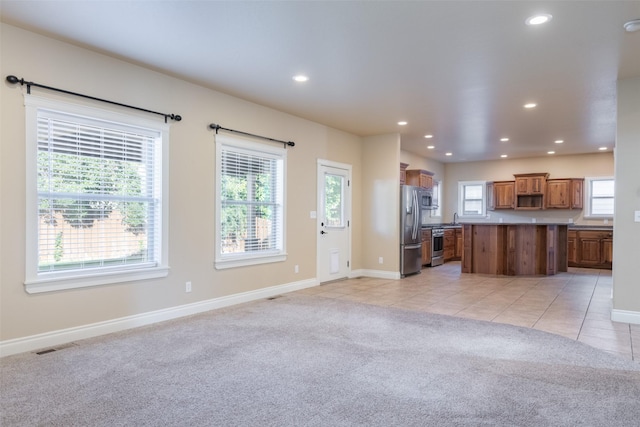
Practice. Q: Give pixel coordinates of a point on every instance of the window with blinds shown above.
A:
(250, 202)
(96, 196)
(471, 198)
(600, 197)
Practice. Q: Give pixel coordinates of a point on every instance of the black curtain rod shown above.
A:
(14, 80)
(218, 127)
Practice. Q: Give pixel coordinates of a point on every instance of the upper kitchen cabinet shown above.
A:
(419, 178)
(565, 193)
(501, 195)
(403, 173)
(530, 190)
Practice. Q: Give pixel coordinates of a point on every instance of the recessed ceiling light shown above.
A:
(448, 154)
(504, 139)
(300, 78)
(504, 156)
(551, 152)
(538, 19)
(428, 136)
(558, 141)
(602, 148)
(530, 105)
(403, 123)
(430, 147)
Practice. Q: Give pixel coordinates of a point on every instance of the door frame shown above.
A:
(348, 196)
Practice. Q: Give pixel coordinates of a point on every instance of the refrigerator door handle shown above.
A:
(416, 246)
(416, 220)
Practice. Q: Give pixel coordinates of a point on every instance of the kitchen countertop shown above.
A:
(591, 227)
(569, 226)
(441, 225)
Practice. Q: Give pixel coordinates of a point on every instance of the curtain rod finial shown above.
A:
(13, 79)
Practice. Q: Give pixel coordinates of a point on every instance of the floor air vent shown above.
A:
(51, 350)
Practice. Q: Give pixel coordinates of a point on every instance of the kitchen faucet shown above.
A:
(455, 218)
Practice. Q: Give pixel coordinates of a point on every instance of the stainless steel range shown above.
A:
(437, 246)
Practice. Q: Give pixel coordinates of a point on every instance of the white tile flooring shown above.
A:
(576, 304)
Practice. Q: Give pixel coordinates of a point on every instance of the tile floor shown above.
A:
(576, 304)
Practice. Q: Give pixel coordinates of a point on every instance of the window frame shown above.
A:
(241, 259)
(588, 197)
(483, 200)
(35, 281)
(437, 197)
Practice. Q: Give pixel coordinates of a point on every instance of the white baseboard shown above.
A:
(626, 316)
(64, 336)
(379, 274)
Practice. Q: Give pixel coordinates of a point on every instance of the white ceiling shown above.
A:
(460, 70)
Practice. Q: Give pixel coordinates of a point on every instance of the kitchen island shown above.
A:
(514, 249)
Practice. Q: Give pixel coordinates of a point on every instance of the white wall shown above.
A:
(191, 236)
(626, 246)
(380, 205)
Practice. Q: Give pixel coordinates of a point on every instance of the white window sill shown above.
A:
(45, 283)
(243, 262)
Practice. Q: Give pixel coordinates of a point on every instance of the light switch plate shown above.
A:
(636, 216)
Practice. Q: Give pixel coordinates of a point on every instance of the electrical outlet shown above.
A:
(296, 269)
(380, 260)
(187, 287)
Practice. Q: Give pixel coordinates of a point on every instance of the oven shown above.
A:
(437, 246)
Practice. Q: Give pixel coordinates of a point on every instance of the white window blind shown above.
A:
(600, 197)
(99, 194)
(250, 202)
(471, 198)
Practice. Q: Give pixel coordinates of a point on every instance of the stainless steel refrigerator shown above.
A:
(410, 233)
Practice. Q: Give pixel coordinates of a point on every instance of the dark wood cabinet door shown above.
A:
(536, 185)
(522, 186)
(504, 195)
(607, 251)
(458, 252)
(577, 195)
(558, 192)
(426, 247)
(572, 250)
(590, 251)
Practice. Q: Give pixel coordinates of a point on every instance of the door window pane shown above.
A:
(333, 200)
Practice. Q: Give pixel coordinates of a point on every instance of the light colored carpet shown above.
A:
(308, 361)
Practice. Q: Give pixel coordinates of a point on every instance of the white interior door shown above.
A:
(333, 221)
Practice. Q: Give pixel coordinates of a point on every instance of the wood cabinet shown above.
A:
(419, 178)
(501, 195)
(514, 249)
(590, 248)
(572, 247)
(458, 252)
(449, 244)
(564, 193)
(403, 173)
(530, 190)
(426, 246)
